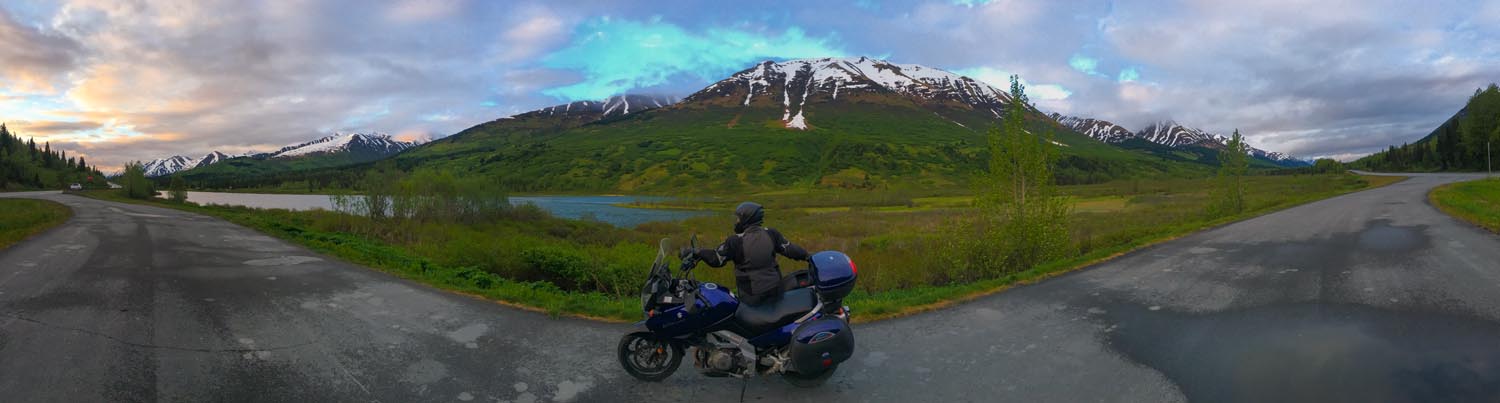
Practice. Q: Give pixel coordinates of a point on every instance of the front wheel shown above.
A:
(649, 358)
(809, 381)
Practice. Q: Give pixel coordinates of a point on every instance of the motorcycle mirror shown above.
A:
(694, 241)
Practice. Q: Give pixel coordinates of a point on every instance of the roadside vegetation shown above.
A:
(22, 218)
(25, 165)
(1466, 142)
(522, 255)
(1477, 202)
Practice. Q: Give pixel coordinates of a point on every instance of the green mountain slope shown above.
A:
(1460, 143)
(736, 137)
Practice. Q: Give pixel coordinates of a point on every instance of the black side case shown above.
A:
(820, 344)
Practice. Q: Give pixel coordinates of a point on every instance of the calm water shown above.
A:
(601, 208)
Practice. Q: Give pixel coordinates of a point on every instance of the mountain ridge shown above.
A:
(368, 146)
(1167, 133)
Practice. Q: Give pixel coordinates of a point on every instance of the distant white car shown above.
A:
(75, 186)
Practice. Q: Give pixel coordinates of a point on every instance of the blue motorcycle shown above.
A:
(803, 336)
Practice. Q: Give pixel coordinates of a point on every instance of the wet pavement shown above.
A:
(1371, 296)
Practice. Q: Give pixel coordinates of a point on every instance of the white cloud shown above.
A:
(528, 38)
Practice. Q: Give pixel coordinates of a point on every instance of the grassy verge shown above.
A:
(1477, 202)
(22, 218)
(592, 270)
(903, 302)
(414, 262)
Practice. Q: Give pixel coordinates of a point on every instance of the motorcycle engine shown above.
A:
(722, 360)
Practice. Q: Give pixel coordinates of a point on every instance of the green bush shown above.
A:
(566, 267)
(134, 183)
(177, 191)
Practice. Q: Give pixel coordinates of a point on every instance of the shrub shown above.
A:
(134, 183)
(177, 191)
(566, 267)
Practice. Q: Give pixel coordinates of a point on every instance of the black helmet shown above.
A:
(746, 215)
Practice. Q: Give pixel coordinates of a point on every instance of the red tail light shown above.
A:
(852, 268)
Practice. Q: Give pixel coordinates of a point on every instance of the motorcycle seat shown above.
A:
(793, 304)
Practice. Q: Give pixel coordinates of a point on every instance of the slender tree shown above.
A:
(1234, 162)
(1020, 221)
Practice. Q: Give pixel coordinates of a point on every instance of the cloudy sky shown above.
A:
(120, 80)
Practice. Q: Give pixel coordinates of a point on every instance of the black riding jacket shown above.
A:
(756, 273)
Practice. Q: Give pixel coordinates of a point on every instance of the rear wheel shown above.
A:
(649, 358)
(809, 381)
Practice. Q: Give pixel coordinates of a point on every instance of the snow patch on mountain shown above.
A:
(618, 105)
(1101, 130)
(797, 81)
(344, 142)
(210, 159)
(1164, 132)
(1170, 133)
(168, 166)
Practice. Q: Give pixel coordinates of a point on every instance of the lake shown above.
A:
(601, 208)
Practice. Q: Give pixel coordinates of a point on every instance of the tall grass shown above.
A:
(1476, 201)
(21, 218)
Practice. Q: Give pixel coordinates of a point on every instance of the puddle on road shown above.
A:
(1382, 237)
(1296, 338)
(1313, 352)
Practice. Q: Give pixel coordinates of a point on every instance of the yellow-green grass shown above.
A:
(907, 301)
(1477, 202)
(22, 218)
(896, 243)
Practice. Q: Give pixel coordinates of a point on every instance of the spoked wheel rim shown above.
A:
(650, 357)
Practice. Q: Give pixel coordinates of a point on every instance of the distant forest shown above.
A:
(1457, 145)
(25, 165)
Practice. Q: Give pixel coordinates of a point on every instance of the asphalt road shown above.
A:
(1372, 296)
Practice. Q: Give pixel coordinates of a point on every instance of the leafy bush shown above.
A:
(566, 267)
(1327, 166)
(177, 191)
(134, 183)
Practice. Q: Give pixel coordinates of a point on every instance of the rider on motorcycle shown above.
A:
(753, 250)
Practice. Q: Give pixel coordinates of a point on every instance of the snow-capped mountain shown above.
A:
(1168, 133)
(168, 166)
(176, 163)
(1101, 130)
(1171, 134)
(210, 159)
(619, 105)
(1279, 158)
(792, 85)
(364, 146)
(361, 143)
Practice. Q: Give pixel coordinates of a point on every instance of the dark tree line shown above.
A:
(1458, 144)
(25, 165)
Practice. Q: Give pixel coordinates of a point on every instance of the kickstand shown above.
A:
(744, 383)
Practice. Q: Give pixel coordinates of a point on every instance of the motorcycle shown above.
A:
(803, 337)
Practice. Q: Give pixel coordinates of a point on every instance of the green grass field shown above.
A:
(589, 269)
(1477, 202)
(22, 218)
